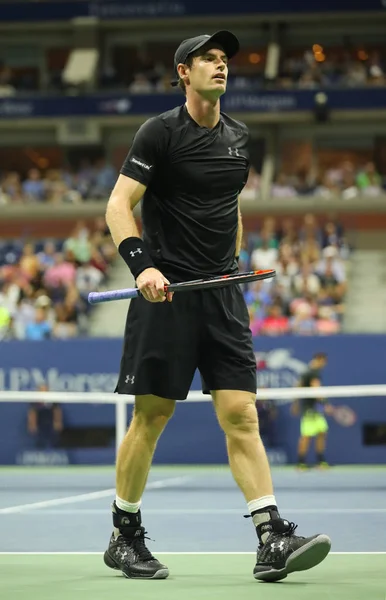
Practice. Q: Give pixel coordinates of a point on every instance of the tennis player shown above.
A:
(189, 165)
(313, 423)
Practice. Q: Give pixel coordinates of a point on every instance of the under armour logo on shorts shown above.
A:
(134, 252)
(130, 379)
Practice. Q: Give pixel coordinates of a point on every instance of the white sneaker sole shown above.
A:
(162, 573)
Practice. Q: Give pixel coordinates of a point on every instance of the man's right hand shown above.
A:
(151, 284)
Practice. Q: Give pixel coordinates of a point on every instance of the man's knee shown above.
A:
(236, 412)
(152, 413)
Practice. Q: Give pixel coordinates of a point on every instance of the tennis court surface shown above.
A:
(55, 525)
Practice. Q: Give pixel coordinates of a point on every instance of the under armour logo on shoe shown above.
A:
(134, 252)
(275, 546)
(130, 379)
(125, 521)
(233, 151)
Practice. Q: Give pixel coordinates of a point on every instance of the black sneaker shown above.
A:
(128, 552)
(285, 553)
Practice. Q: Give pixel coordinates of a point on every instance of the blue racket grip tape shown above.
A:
(109, 296)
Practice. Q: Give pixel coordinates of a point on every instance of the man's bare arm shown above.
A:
(119, 211)
(125, 196)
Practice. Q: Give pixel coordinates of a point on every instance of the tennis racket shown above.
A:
(185, 286)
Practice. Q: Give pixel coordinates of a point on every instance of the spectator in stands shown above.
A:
(6, 87)
(309, 251)
(23, 315)
(65, 326)
(327, 189)
(79, 244)
(40, 328)
(327, 322)
(306, 280)
(29, 262)
(302, 322)
(275, 323)
(46, 257)
(252, 187)
(282, 188)
(11, 187)
(368, 180)
(265, 256)
(288, 235)
(45, 422)
(33, 187)
(61, 274)
(5, 323)
(140, 85)
(104, 180)
(88, 279)
(355, 75)
(330, 268)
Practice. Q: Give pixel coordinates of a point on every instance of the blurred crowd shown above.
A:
(95, 181)
(345, 181)
(44, 285)
(307, 69)
(147, 71)
(92, 180)
(307, 295)
(317, 67)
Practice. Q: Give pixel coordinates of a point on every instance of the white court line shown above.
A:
(153, 485)
(174, 553)
(207, 511)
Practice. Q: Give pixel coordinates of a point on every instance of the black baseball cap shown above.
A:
(227, 40)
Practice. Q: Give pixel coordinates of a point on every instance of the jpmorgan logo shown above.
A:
(18, 379)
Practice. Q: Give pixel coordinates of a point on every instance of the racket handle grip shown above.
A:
(109, 296)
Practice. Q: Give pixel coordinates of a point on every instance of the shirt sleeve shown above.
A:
(147, 151)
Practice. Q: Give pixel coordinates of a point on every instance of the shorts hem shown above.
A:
(151, 392)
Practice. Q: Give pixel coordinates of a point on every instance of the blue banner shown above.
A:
(240, 102)
(91, 365)
(147, 9)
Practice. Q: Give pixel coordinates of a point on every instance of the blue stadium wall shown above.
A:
(193, 435)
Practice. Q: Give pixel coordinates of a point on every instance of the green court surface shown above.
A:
(72, 576)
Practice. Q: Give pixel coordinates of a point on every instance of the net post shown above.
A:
(120, 422)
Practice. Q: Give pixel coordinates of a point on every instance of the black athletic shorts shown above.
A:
(166, 342)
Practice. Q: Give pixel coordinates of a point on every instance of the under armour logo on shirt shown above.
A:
(134, 252)
(233, 151)
(129, 378)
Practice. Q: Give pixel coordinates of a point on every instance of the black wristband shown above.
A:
(135, 255)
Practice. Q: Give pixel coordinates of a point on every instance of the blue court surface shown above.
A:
(194, 517)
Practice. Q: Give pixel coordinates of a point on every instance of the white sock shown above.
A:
(261, 517)
(130, 507)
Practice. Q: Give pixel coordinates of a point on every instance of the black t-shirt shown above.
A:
(194, 176)
(306, 380)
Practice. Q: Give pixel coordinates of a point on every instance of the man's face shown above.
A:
(209, 72)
